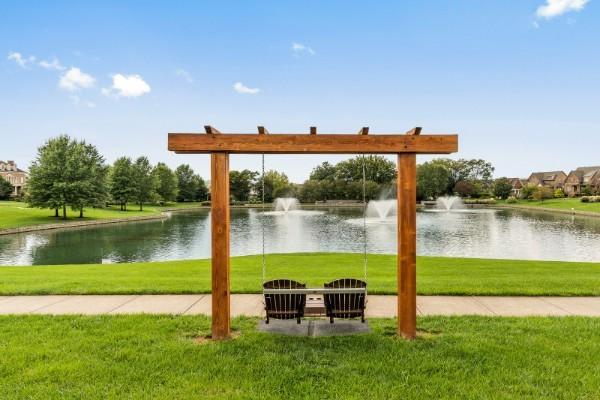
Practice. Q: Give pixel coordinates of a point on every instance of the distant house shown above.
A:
(15, 176)
(517, 185)
(551, 179)
(581, 178)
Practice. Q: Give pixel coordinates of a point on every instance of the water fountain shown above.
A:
(448, 203)
(290, 206)
(286, 204)
(382, 209)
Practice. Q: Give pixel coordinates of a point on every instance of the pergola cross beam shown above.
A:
(220, 145)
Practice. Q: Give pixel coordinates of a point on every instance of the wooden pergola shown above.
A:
(406, 146)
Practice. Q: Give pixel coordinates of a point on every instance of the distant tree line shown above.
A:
(68, 173)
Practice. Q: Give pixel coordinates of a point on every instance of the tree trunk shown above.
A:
(140, 206)
(65, 211)
(81, 212)
(56, 212)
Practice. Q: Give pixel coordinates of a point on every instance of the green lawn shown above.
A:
(15, 214)
(560, 204)
(436, 276)
(157, 357)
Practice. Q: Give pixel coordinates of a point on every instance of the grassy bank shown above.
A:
(115, 357)
(435, 276)
(15, 214)
(557, 204)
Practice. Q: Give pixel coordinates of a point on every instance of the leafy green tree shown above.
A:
(377, 169)
(200, 188)
(241, 184)
(166, 182)
(276, 184)
(88, 173)
(47, 175)
(542, 193)
(464, 188)
(122, 185)
(310, 191)
(502, 188)
(559, 194)
(67, 172)
(186, 183)
(478, 172)
(527, 192)
(6, 189)
(432, 180)
(323, 171)
(144, 181)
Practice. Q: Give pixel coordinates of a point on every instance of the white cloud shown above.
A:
(241, 88)
(127, 86)
(299, 48)
(51, 65)
(21, 61)
(554, 8)
(185, 75)
(74, 79)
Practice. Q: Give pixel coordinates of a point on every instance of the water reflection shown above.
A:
(484, 233)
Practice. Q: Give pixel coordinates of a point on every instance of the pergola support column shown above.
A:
(220, 265)
(407, 245)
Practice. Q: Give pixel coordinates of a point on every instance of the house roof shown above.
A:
(585, 174)
(547, 176)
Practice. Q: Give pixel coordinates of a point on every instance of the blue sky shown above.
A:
(518, 80)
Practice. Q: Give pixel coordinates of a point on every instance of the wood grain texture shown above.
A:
(312, 144)
(407, 245)
(220, 243)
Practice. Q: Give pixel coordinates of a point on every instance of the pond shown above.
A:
(483, 233)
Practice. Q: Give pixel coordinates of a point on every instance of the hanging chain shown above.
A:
(364, 173)
(264, 260)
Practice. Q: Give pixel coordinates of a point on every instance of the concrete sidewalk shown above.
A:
(251, 305)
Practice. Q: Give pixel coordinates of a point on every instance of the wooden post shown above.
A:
(220, 245)
(407, 245)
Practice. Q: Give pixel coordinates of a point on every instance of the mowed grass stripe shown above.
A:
(435, 276)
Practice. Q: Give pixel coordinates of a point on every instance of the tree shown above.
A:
(47, 175)
(542, 193)
(527, 192)
(186, 184)
(464, 188)
(502, 188)
(122, 186)
(6, 189)
(166, 182)
(67, 172)
(559, 194)
(200, 188)
(276, 184)
(144, 181)
(432, 180)
(88, 174)
(478, 172)
(323, 171)
(377, 169)
(241, 184)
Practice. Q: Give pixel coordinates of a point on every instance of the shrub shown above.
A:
(205, 203)
(542, 193)
(511, 200)
(585, 199)
(559, 194)
(527, 192)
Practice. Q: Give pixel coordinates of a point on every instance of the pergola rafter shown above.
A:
(220, 145)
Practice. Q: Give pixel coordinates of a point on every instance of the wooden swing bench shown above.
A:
(342, 298)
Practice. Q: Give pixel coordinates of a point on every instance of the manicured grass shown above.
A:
(157, 357)
(559, 204)
(435, 276)
(15, 214)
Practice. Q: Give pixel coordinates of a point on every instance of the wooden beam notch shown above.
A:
(313, 130)
(211, 130)
(415, 131)
(364, 130)
(262, 130)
